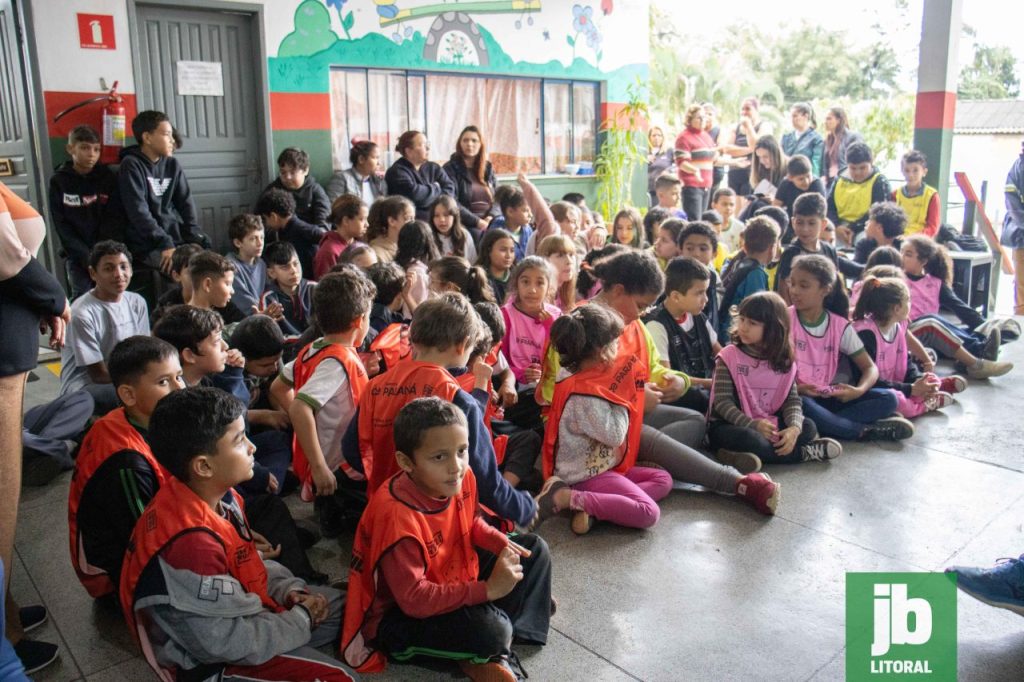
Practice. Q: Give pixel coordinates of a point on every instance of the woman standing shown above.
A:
(837, 139)
(474, 180)
(804, 138)
(740, 145)
(362, 178)
(695, 156)
(659, 158)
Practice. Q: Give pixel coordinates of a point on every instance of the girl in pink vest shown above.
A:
(756, 414)
(820, 337)
(528, 318)
(880, 319)
(927, 269)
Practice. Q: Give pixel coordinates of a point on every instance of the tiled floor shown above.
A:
(714, 591)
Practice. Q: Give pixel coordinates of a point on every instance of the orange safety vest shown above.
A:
(109, 435)
(622, 383)
(445, 542)
(467, 381)
(357, 380)
(173, 511)
(393, 344)
(384, 396)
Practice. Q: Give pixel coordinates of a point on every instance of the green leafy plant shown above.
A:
(622, 152)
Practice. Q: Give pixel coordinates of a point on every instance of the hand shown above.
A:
(786, 441)
(844, 393)
(410, 277)
(371, 361)
(315, 604)
(844, 234)
(922, 388)
(482, 373)
(165, 260)
(598, 237)
(235, 358)
(766, 429)
(485, 222)
(543, 315)
(927, 365)
(57, 325)
(507, 572)
(673, 387)
(521, 178)
(273, 419)
(507, 396)
(272, 484)
(532, 373)
(275, 310)
(808, 390)
(652, 396)
(324, 480)
(263, 546)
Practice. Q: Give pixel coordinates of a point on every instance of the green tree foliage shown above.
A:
(991, 75)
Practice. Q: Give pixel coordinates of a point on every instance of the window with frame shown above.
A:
(528, 124)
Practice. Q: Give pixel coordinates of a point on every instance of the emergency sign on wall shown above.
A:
(96, 31)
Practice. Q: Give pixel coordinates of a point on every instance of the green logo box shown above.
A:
(900, 626)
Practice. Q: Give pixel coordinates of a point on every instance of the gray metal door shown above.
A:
(221, 135)
(16, 163)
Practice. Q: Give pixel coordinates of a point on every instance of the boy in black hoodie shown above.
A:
(310, 219)
(80, 191)
(155, 194)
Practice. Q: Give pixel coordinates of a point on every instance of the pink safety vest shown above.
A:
(817, 357)
(924, 296)
(890, 356)
(761, 389)
(526, 337)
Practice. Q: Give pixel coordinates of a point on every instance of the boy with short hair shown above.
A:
(887, 223)
(311, 203)
(99, 319)
(443, 333)
(724, 201)
(155, 194)
(250, 279)
(798, 181)
(699, 241)
(288, 288)
(213, 280)
(182, 291)
(685, 338)
(80, 191)
(417, 586)
(389, 279)
(653, 219)
(747, 273)
(920, 201)
(722, 254)
(806, 225)
(115, 472)
(193, 571)
(858, 187)
(669, 190)
(666, 246)
(278, 209)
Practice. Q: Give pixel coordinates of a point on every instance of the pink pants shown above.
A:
(909, 407)
(629, 499)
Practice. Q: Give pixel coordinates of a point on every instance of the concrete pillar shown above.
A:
(938, 72)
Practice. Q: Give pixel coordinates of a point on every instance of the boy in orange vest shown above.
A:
(417, 585)
(196, 593)
(115, 472)
(443, 333)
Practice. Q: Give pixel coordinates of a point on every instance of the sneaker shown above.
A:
(546, 500)
(35, 655)
(32, 617)
(937, 401)
(821, 450)
(743, 462)
(992, 343)
(989, 369)
(760, 491)
(491, 671)
(953, 384)
(1001, 586)
(890, 428)
(582, 522)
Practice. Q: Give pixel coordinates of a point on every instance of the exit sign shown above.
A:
(96, 31)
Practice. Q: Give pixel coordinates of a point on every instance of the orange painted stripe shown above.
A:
(935, 110)
(300, 111)
(614, 110)
(55, 101)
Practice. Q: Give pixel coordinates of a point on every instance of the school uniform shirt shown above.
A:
(870, 342)
(80, 206)
(249, 284)
(96, 327)
(730, 235)
(850, 343)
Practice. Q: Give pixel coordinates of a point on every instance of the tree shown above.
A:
(991, 75)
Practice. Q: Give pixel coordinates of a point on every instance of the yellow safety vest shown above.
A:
(916, 208)
(853, 199)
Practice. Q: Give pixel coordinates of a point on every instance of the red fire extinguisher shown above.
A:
(114, 122)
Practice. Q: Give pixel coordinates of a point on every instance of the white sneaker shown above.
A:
(937, 401)
(821, 450)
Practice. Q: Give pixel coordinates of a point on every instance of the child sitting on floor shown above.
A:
(288, 288)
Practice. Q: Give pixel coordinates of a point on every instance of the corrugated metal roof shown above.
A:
(989, 116)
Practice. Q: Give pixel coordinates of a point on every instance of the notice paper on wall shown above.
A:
(200, 78)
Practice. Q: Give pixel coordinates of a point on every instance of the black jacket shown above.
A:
(457, 170)
(80, 208)
(157, 203)
(421, 187)
(311, 202)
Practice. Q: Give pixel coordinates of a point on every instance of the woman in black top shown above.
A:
(474, 180)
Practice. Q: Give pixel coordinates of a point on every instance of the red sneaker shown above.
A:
(760, 491)
(953, 384)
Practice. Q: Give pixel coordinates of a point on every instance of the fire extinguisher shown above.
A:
(114, 120)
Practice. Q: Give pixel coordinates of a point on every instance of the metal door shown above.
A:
(221, 134)
(17, 169)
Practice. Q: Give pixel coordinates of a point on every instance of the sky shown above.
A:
(997, 22)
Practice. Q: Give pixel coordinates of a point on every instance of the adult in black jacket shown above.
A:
(474, 180)
(311, 203)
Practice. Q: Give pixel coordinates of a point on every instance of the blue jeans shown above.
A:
(847, 421)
